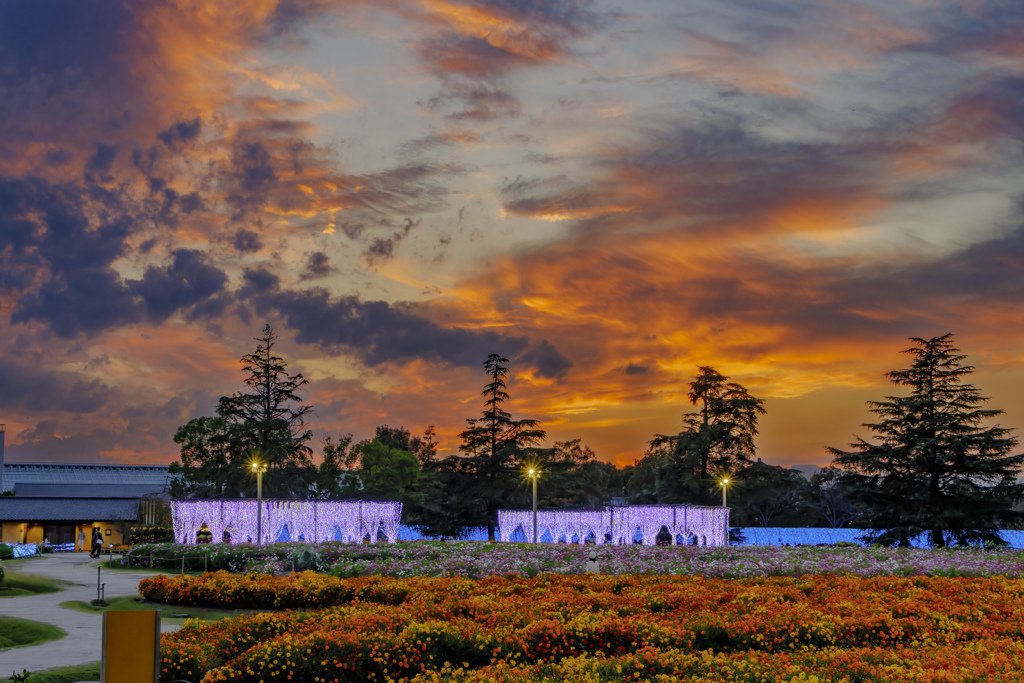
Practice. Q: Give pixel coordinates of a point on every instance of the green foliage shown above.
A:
(233, 558)
(3, 573)
(935, 468)
(389, 473)
(150, 534)
(15, 632)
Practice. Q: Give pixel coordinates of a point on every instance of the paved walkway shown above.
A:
(85, 631)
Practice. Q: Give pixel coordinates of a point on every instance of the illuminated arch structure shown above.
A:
(705, 526)
(313, 520)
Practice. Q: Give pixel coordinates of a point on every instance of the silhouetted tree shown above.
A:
(935, 469)
(716, 437)
(496, 444)
(573, 477)
(334, 477)
(830, 498)
(205, 469)
(267, 423)
(269, 420)
(769, 495)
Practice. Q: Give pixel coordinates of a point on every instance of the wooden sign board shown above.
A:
(131, 646)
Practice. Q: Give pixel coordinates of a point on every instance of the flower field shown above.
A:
(476, 560)
(821, 628)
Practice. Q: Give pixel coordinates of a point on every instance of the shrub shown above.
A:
(150, 534)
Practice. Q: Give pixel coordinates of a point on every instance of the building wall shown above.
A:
(27, 532)
(12, 532)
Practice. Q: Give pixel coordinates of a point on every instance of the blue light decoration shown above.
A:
(315, 520)
(709, 526)
(24, 549)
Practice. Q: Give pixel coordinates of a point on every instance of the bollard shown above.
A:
(182, 564)
(98, 588)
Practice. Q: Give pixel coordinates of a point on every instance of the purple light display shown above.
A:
(710, 525)
(314, 520)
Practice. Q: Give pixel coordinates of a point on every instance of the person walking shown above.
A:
(97, 542)
(80, 544)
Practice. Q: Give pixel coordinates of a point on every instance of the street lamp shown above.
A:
(724, 483)
(259, 468)
(531, 470)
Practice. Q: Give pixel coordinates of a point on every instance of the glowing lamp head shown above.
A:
(531, 472)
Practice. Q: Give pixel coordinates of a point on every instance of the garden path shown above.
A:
(85, 631)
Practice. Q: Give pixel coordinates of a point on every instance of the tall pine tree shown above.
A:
(270, 419)
(496, 445)
(935, 468)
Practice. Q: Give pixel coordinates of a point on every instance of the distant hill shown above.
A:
(808, 470)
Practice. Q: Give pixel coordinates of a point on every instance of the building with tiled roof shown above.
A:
(57, 501)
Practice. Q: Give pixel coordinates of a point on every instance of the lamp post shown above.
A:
(725, 485)
(534, 472)
(259, 468)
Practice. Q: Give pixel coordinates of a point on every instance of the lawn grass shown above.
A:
(64, 674)
(116, 566)
(15, 632)
(17, 585)
(128, 602)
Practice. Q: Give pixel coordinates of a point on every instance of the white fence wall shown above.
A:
(314, 520)
(709, 525)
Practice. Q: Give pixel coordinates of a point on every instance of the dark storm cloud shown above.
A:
(188, 280)
(548, 360)
(259, 281)
(379, 332)
(247, 241)
(381, 249)
(27, 386)
(180, 133)
(54, 231)
(634, 369)
(86, 301)
(98, 165)
(317, 264)
(58, 38)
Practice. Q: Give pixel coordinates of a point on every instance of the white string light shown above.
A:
(710, 525)
(316, 521)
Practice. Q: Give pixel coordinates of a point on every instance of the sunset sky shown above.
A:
(608, 193)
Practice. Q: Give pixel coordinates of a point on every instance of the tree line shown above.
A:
(933, 466)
